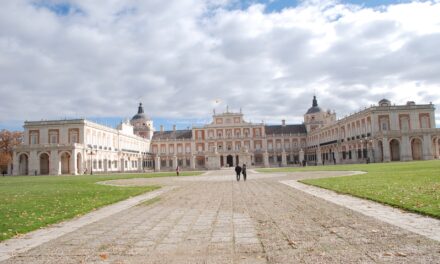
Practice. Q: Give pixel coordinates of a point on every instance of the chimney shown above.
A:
(283, 122)
(174, 128)
(161, 128)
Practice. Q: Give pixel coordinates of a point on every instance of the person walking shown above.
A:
(238, 171)
(243, 171)
(177, 170)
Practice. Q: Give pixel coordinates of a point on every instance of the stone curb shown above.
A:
(422, 225)
(14, 246)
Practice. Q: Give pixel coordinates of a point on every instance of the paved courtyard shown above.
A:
(215, 219)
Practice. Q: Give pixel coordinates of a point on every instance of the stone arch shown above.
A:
(44, 159)
(416, 148)
(230, 160)
(394, 150)
(65, 162)
(23, 164)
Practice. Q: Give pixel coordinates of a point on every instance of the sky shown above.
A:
(182, 59)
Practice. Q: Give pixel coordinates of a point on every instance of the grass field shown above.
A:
(413, 186)
(30, 202)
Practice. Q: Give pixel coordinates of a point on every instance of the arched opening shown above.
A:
(416, 149)
(79, 168)
(230, 161)
(395, 150)
(44, 164)
(65, 163)
(237, 160)
(23, 164)
(222, 162)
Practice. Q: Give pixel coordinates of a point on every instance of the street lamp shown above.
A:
(91, 153)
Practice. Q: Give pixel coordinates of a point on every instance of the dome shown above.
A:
(384, 102)
(140, 114)
(315, 108)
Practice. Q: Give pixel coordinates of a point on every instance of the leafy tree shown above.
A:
(8, 140)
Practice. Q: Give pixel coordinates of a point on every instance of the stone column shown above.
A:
(193, 162)
(15, 163)
(140, 165)
(436, 141)
(175, 161)
(386, 150)
(34, 163)
(318, 157)
(73, 170)
(266, 159)
(301, 156)
(405, 154)
(354, 155)
(427, 147)
(157, 163)
(54, 163)
(336, 156)
(283, 159)
(122, 164)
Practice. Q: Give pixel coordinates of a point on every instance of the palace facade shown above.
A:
(381, 133)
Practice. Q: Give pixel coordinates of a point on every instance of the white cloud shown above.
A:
(178, 56)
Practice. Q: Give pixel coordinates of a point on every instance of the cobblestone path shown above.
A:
(215, 219)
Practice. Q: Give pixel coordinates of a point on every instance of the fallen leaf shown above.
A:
(103, 256)
(400, 254)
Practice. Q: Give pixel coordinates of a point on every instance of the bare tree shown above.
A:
(8, 139)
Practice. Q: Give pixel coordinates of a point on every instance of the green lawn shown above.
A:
(413, 186)
(30, 202)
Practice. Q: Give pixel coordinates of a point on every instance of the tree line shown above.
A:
(8, 140)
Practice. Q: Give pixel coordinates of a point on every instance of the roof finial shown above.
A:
(140, 109)
(315, 102)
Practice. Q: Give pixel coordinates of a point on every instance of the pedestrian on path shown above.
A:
(238, 171)
(177, 170)
(244, 172)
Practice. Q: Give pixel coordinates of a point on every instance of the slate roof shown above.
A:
(178, 134)
(287, 129)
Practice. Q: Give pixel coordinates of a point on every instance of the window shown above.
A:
(188, 149)
(269, 145)
(237, 146)
(53, 136)
(34, 137)
(179, 149)
(424, 121)
(73, 136)
(404, 122)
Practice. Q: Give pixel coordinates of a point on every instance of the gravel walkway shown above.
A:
(214, 219)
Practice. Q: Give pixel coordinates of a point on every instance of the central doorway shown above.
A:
(230, 160)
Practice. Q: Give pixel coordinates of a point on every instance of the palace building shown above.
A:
(381, 133)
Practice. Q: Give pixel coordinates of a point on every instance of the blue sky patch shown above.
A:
(278, 5)
(60, 9)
